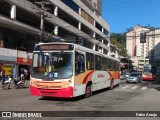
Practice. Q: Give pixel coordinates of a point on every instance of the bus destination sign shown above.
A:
(55, 47)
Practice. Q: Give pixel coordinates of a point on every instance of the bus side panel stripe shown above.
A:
(114, 75)
(87, 77)
(110, 75)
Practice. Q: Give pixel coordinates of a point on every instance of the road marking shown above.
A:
(153, 89)
(125, 87)
(134, 87)
(143, 88)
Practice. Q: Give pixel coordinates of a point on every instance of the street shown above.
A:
(125, 97)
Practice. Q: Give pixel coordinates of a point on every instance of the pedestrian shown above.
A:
(22, 74)
(25, 74)
(3, 75)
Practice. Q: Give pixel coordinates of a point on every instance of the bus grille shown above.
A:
(48, 87)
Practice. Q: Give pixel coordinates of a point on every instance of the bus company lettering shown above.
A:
(100, 75)
(54, 47)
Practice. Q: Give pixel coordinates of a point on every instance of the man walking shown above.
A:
(3, 75)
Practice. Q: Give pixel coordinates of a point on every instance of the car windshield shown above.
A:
(123, 74)
(134, 74)
(52, 65)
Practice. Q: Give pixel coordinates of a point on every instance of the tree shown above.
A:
(119, 40)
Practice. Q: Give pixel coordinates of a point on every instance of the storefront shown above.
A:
(9, 67)
(24, 63)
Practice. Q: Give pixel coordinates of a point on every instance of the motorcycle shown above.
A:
(8, 82)
(18, 83)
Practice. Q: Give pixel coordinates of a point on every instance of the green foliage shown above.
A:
(119, 40)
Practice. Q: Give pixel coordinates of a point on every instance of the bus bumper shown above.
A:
(61, 93)
(148, 78)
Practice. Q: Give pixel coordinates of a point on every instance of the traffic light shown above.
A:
(143, 37)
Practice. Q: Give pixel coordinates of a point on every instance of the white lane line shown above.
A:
(153, 89)
(143, 88)
(125, 87)
(134, 87)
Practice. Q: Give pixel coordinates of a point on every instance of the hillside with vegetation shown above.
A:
(119, 40)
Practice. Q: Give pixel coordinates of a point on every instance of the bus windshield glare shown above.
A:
(52, 65)
(147, 69)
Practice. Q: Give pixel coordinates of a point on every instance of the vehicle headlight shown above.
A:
(68, 82)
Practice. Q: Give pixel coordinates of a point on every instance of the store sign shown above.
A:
(26, 61)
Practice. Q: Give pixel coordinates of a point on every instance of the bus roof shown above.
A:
(82, 48)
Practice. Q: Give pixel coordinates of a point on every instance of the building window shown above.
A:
(87, 17)
(98, 26)
(105, 32)
(71, 4)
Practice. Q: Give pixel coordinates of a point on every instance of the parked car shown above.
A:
(123, 76)
(134, 78)
(127, 75)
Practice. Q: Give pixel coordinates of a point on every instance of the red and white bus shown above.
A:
(69, 70)
(148, 72)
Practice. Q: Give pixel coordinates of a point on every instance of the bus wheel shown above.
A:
(112, 84)
(88, 92)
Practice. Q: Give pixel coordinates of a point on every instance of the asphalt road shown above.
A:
(126, 97)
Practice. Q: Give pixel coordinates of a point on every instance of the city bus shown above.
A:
(148, 72)
(67, 70)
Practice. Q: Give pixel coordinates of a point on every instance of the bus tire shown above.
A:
(88, 91)
(111, 85)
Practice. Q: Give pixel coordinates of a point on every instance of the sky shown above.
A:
(123, 14)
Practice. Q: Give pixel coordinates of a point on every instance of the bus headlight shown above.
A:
(33, 84)
(68, 82)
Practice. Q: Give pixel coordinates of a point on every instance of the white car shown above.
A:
(123, 76)
(134, 78)
(127, 75)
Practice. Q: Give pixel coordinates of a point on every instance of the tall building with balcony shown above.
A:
(141, 53)
(77, 21)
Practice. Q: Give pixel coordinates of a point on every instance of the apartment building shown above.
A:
(141, 53)
(22, 21)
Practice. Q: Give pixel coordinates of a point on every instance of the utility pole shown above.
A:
(42, 4)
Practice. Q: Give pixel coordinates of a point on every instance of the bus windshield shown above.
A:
(147, 69)
(52, 65)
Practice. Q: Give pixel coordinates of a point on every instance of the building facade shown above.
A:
(23, 21)
(143, 52)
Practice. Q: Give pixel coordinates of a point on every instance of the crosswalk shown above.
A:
(132, 87)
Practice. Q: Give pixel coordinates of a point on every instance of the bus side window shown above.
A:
(89, 61)
(79, 63)
(98, 64)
